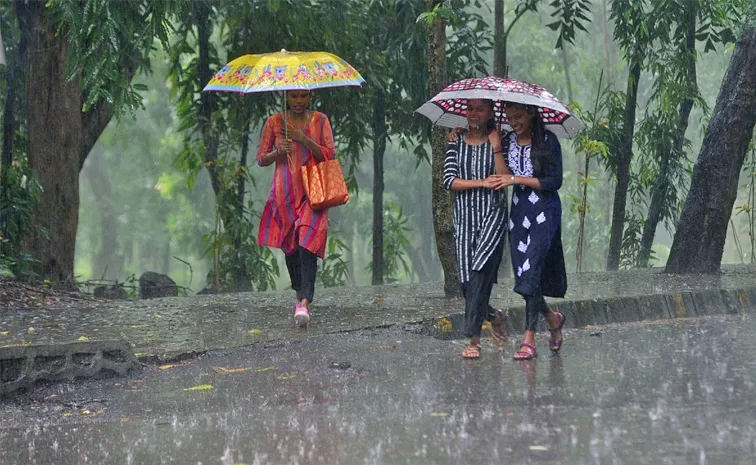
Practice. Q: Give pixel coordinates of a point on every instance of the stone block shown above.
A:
(621, 309)
(676, 305)
(709, 302)
(12, 369)
(653, 307)
(22, 366)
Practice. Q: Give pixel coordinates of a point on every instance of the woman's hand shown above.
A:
(455, 133)
(496, 181)
(507, 180)
(295, 133)
(284, 147)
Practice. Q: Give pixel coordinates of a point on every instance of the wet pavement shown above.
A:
(172, 326)
(669, 392)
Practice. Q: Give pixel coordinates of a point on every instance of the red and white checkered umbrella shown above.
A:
(449, 107)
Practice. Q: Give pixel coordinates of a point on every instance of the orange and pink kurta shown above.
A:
(288, 221)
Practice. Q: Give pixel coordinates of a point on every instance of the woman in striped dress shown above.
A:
(288, 221)
(470, 170)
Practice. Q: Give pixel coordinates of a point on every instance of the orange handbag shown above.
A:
(324, 184)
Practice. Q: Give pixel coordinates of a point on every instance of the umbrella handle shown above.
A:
(286, 120)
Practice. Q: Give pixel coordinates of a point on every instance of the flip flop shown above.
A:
(471, 352)
(526, 354)
(554, 344)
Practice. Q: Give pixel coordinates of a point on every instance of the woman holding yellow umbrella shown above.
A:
(292, 139)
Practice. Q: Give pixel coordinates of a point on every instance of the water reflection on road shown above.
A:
(679, 392)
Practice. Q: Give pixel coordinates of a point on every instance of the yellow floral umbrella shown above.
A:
(284, 71)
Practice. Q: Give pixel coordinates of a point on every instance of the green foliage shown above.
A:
(20, 196)
(396, 242)
(109, 42)
(748, 207)
(571, 15)
(334, 269)
(233, 245)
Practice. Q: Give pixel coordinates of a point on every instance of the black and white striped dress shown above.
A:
(479, 214)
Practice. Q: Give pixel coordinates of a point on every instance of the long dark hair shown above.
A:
(491, 123)
(540, 154)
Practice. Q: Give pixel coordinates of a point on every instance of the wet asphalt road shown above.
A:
(671, 392)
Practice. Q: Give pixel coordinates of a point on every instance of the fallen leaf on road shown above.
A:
(378, 299)
(225, 371)
(486, 325)
(201, 387)
(50, 325)
(444, 324)
(67, 414)
(265, 369)
(126, 419)
(90, 412)
(83, 338)
(285, 377)
(4, 333)
(171, 365)
(254, 331)
(538, 448)
(387, 347)
(439, 414)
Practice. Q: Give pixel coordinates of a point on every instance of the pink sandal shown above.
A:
(528, 354)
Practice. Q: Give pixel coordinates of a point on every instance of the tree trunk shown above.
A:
(700, 237)
(659, 190)
(9, 130)
(441, 199)
(500, 40)
(53, 113)
(624, 157)
(209, 138)
(608, 45)
(243, 283)
(108, 263)
(379, 150)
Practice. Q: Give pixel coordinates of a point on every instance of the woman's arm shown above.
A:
(499, 161)
(267, 154)
(452, 181)
(323, 149)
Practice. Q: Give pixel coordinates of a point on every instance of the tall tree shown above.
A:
(675, 94)
(441, 200)
(700, 236)
(634, 35)
(67, 108)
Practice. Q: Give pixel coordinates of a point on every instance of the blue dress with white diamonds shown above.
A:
(535, 233)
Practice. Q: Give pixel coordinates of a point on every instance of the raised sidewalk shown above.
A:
(106, 337)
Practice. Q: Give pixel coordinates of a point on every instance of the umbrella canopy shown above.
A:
(449, 107)
(284, 70)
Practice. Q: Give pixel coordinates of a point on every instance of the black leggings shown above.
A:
(477, 293)
(303, 267)
(534, 304)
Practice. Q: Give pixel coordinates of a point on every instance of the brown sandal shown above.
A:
(471, 352)
(499, 330)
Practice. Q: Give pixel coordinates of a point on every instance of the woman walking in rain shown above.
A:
(534, 157)
(288, 221)
(470, 169)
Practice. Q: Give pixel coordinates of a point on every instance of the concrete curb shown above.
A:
(593, 312)
(23, 365)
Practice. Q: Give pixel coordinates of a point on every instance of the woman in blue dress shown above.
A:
(534, 158)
